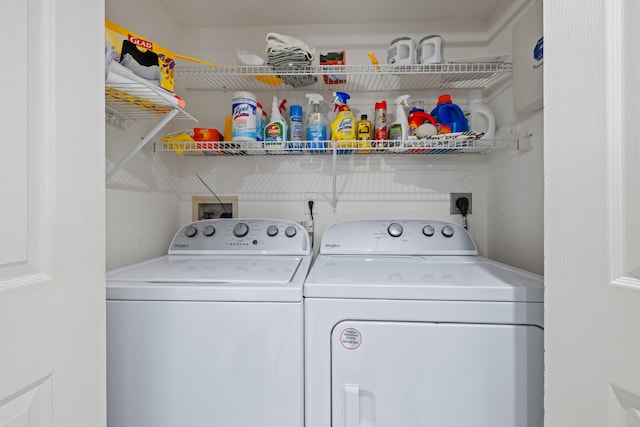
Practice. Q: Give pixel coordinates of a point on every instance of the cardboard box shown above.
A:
(145, 58)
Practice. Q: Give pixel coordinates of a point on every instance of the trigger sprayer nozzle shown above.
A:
(340, 99)
(315, 98)
(402, 100)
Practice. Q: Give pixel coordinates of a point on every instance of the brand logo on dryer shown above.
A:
(332, 245)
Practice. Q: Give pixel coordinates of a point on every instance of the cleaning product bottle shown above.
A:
(316, 125)
(243, 111)
(418, 117)
(295, 129)
(480, 116)
(261, 121)
(343, 129)
(275, 131)
(449, 116)
(364, 135)
(399, 129)
(380, 124)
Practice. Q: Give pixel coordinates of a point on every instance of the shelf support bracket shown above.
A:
(166, 119)
(334, 202)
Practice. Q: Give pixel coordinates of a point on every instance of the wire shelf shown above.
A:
(131, 101)
(327, 148)
(356, 78)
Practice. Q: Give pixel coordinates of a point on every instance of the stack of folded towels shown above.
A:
(287, 53)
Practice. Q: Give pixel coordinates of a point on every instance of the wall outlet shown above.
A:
(453, 197)
(306, 198)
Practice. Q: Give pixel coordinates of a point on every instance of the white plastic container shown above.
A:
(480, 116)
(402, 51)
(243, 115)
(430, 50)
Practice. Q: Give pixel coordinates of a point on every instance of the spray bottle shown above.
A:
(295, 129)
(399, 129)
(276, 130)
(343, 129)
(316, 125)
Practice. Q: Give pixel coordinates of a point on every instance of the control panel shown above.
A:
(402, 237)
(259, 236)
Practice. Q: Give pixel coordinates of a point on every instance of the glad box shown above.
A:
(145, 58)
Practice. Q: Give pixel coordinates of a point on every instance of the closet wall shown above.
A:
(151, 196)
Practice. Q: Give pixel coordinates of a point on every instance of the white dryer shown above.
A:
(405, 325)
(212, 333)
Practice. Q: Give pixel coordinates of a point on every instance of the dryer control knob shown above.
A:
(447, 231)
(428, 230)
(290, 231)
(190, 231)
(272, 230)
(241, 229)
(209, 230)
(395, 229)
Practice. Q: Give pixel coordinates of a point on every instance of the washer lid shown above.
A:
(450, 278)
(211, 278)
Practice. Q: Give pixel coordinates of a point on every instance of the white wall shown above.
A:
(515, 180)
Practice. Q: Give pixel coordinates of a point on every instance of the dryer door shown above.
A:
(436, 374)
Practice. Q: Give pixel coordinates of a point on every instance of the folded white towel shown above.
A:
(282, 41)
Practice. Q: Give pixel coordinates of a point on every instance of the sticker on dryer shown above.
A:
(350, 338)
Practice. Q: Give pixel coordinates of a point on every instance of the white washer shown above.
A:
(405, 325)
(212, 333)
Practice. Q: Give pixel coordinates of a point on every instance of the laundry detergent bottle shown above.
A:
(418, 117)
(449, 116)
(343, 127)
(480, 116)
(316, 133)
(275, 132)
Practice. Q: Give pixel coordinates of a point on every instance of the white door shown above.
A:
(592, 213)
(52, 330)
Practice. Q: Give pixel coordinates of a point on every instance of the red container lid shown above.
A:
(445, 99)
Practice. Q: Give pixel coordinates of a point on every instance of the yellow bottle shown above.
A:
(343, 129)
(364, 135)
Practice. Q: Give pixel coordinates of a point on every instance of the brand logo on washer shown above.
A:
(332, 245)
(180, 245)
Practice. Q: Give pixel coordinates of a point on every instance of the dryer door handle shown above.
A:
(351, 405)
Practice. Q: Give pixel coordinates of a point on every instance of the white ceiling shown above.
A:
(227, 13)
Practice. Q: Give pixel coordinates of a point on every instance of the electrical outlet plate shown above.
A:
(453, 209)
(306, 198)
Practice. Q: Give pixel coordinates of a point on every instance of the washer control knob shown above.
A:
(272, 230)
(209, 230)
(428, 230)
(290, 231)
(241, 229)
(190, 231)
(395, 229)
(447, 231)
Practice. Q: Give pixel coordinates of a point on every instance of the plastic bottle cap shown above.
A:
(363, 117)
(381, 104)
(399, 39)
(445, 99)
(295, 110)
(429, 37)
